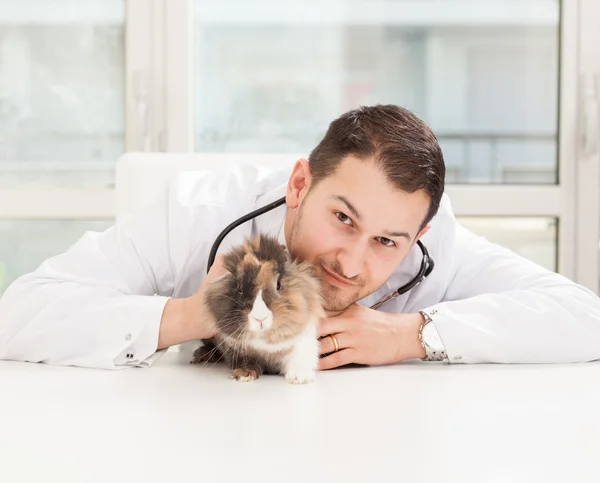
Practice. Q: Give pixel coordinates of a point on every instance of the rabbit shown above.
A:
(265, 310)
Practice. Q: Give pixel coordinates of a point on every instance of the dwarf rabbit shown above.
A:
(266, 310)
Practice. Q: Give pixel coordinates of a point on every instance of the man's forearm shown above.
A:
(181, 322)
(541, 325)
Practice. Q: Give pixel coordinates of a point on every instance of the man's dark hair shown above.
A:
(403, 146)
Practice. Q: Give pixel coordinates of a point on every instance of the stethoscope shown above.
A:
(426, 268)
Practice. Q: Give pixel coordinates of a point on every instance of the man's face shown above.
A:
(354, 226)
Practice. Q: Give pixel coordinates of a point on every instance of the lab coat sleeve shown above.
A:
(502, 308)
(100, 303)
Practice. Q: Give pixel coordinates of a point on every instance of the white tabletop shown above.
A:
(412, 422)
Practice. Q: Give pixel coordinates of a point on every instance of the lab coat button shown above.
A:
(128, 337)
(433, 312)
(457, 358)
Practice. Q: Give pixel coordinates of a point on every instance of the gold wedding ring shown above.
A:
(336, 347)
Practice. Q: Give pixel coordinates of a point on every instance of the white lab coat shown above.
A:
(100, 303)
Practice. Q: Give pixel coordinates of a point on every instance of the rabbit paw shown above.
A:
(300, 377)
(244, 375)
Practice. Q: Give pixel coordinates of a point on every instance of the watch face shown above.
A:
(432, 338)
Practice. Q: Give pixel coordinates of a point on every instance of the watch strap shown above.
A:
(431, 354)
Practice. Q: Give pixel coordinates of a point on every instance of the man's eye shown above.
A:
(343, 218)
(387, 242)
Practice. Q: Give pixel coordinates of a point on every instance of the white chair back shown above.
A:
(140, 176)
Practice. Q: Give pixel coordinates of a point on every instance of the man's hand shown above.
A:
(186, 319)
(197, 301)
(367, 336)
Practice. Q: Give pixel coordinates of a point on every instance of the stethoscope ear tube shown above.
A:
(234, 224)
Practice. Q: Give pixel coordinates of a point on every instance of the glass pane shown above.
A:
(531, 237)
(271, 75)
(61, 91)
(25, 244)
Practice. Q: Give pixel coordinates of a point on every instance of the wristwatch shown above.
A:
(431, 341)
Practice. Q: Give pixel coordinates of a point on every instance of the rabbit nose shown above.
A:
(260, 316)
(259, 320)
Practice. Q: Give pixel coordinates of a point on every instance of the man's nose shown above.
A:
(352, 257)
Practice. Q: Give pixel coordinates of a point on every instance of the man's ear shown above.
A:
(421, 233)
(298, 184)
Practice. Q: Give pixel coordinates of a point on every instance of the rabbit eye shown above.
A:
(278, 284)
(239, 287)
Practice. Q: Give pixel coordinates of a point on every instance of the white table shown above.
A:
(413, 422)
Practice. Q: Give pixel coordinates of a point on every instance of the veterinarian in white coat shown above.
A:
(100, 304)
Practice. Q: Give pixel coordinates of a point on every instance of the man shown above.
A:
(370, 190)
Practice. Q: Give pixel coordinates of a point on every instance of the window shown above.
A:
(61, 92)
(485, 78)
(62, 88)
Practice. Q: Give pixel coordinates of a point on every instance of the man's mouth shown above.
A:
(336, 279)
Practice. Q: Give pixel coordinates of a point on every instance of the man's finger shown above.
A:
(336, 359)
(327, 344)
(333, 325)
(217, 270)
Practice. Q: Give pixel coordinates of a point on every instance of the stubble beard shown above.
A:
(335, 299)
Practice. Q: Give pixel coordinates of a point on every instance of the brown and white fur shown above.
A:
(266, 309)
